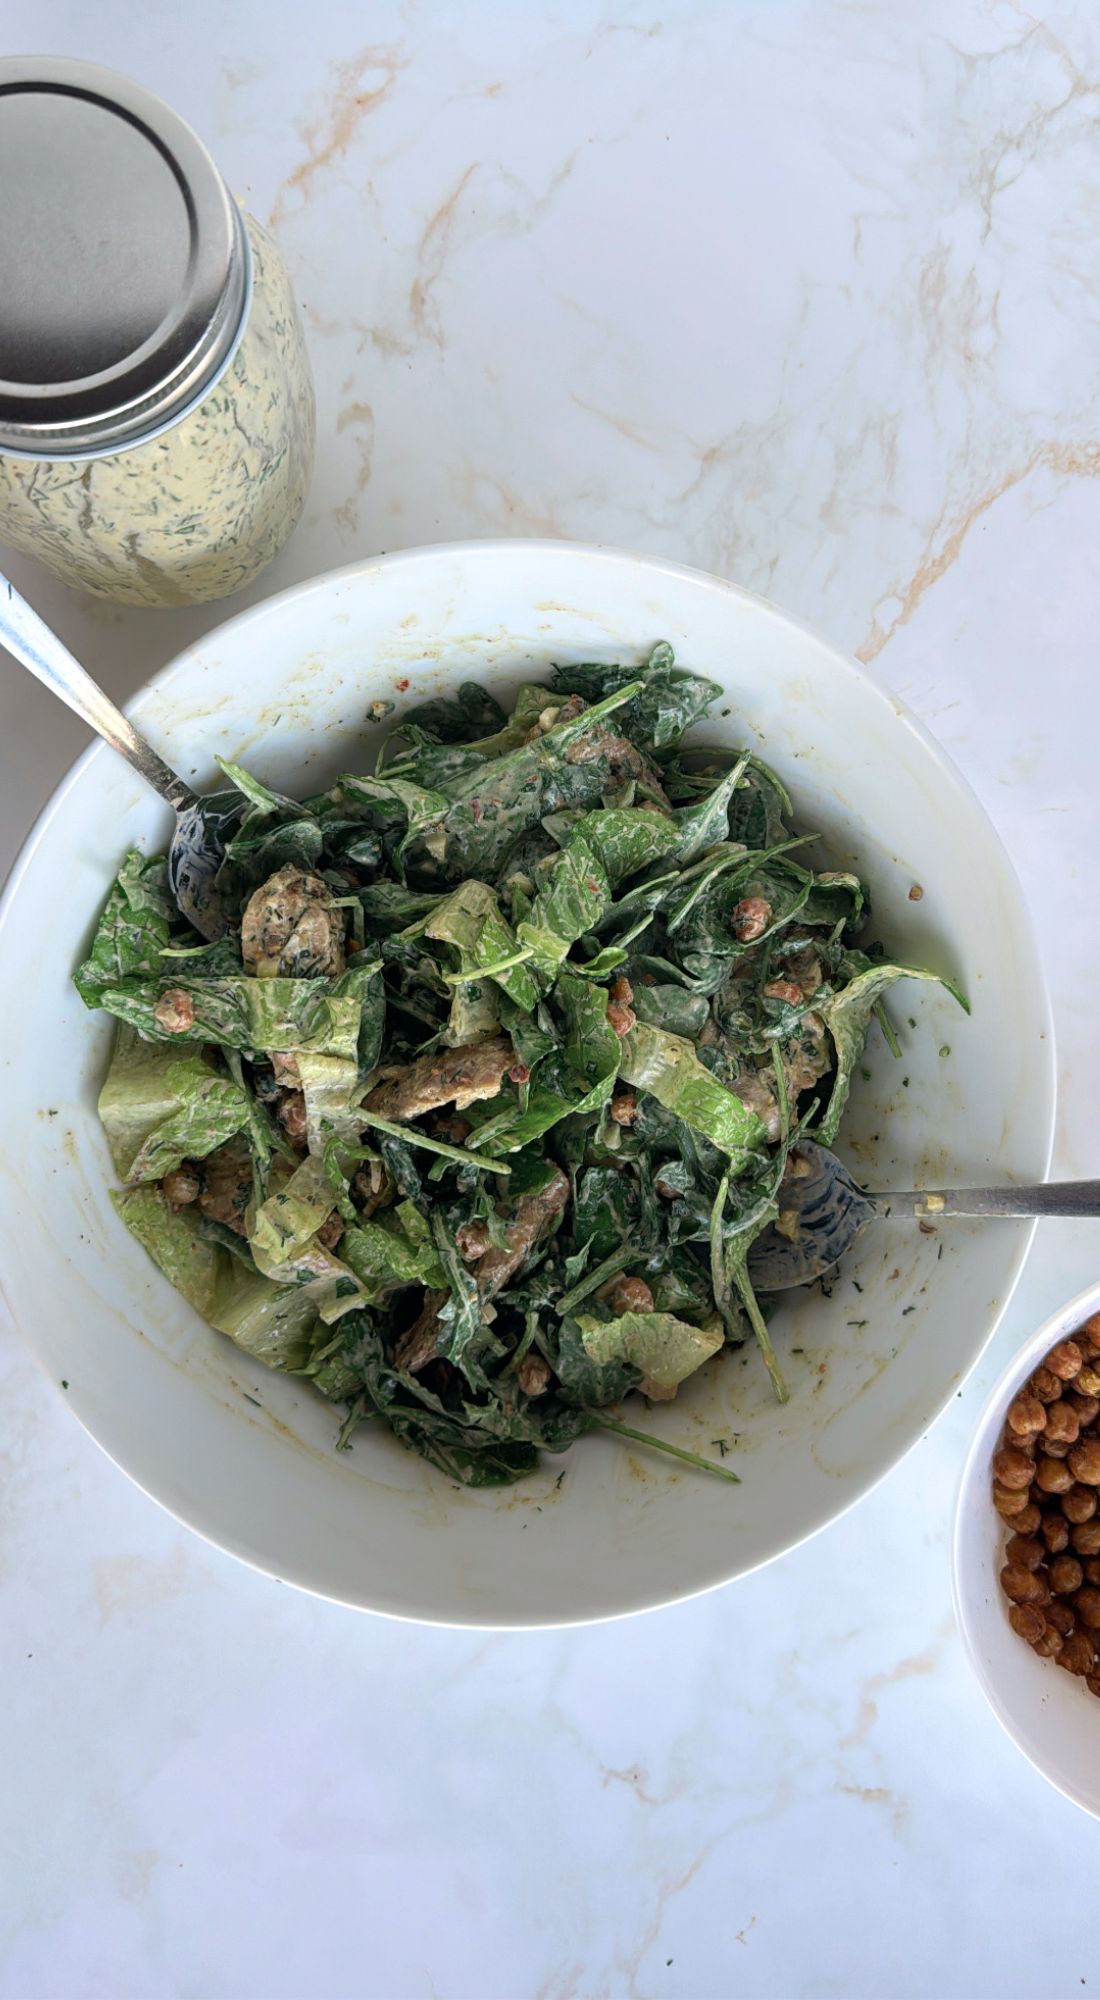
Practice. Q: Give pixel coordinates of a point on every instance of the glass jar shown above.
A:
(156, 405)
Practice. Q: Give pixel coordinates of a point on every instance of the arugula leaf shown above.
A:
(392, 1250)
(601, 850)
(470, 920)
(132, 931)
(847, 1015)
(473, 712)
(493, 806)
(668, 701)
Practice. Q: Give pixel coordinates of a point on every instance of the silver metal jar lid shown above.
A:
(124, 262)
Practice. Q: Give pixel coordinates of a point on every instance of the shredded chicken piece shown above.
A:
(227, 1185)
(292, 928)
(417, 1346)
(807, 1056)
(754, 1090)
(623, 760)
(532, 1218)
(459, 1076)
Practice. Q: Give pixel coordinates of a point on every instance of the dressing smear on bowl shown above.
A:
(474, 1116)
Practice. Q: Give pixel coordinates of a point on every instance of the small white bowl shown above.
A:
(1050, 1715)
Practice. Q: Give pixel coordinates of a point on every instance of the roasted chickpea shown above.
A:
(292, 1116)
(1021, 1584)
(181, 1187)
(1025, 1549)
(750, 918)
(174, 1011)
(1079, 1504)
(1026, 1415)
(1051, 1643)
(630, 1295)
(1028, 1520)
(1086, 1538)
(1062, 1424)
(1061, 1616)
(1028, 1621)
(1087, 1604)
(1087, 1379)
(1087, 1407)
(533, 1375)
(1052, 1476)
(1012, 1468)
(1045, 1386)
(1065, 1360)
(1054, 1449)
(1009, 1501)
(1055, 1533)
(330, 1232)
(1066, 1575)
(1084, 1462)
(472, 1241)
(624, 1107)
(1078, 1654)
(1091, 1567)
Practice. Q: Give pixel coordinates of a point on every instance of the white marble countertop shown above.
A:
(805, 294)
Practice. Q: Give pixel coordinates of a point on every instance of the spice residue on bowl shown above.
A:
(1046, 1488)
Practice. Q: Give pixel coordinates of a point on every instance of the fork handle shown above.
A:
(29, 639)
(1067, 1198)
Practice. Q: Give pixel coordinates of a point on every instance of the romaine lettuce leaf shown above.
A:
(668, 1066)
(175, 1243)
(665, 1349)
(283, 1224)
(160, 1105)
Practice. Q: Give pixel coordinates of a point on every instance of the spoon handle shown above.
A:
(29, 640)
(1080, 1198)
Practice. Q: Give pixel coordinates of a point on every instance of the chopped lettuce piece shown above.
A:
(668, 1066)
(160, 1105)
(665, 1349)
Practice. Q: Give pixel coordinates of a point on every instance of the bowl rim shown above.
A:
(526, 548)
(1055, 1327)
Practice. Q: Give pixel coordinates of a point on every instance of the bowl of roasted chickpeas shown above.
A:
(1026, 1550)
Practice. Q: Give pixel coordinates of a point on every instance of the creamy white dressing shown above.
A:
(198, 511)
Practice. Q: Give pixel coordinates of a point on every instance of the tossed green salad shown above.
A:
(473, 1116)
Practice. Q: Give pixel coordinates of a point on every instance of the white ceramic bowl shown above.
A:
(285, 687)
(1049, 1714)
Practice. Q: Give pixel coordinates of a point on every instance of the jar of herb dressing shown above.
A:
(156, 404)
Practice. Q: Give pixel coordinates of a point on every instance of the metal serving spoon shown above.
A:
(827, 1210)
(202, 823)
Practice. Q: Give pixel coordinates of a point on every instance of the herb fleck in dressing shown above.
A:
(198, 511)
